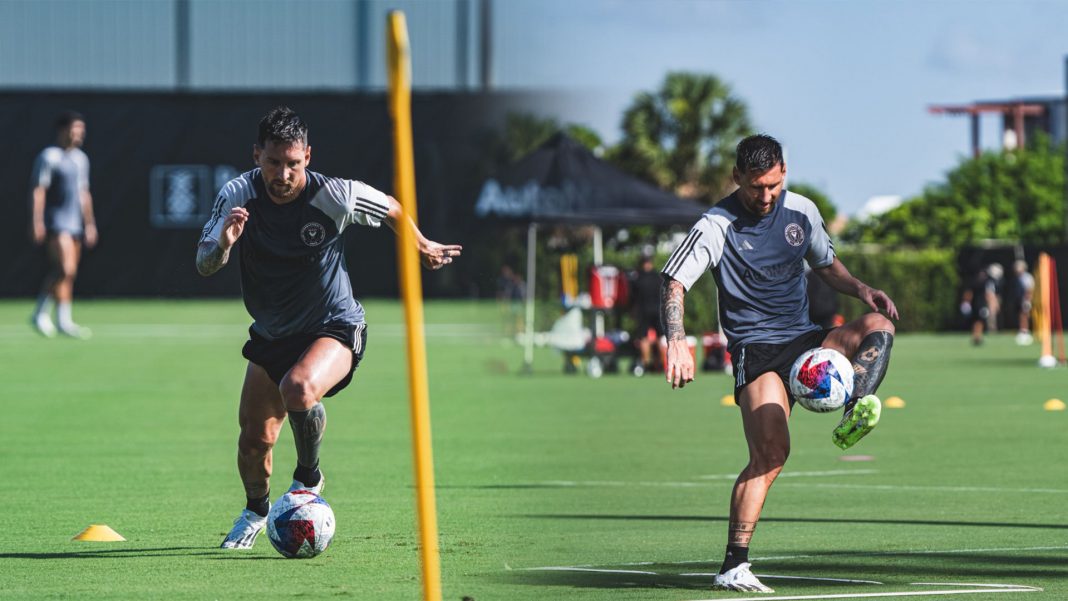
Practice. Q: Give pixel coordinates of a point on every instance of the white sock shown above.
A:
(63, 312)
(43, 306)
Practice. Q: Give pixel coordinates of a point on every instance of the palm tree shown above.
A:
(682, 136)
(525, 132)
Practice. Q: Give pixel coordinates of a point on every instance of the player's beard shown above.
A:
(282, 190)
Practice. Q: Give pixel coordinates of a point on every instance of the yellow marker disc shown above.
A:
(894, 402)
(1053, 405)
(98, 533)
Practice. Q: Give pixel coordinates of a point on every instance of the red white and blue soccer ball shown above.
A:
(821, 380)
(300, 524)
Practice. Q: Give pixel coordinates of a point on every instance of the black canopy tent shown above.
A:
(564, 183)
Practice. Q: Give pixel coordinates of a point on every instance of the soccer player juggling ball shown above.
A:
(308, 333)
(755, 242)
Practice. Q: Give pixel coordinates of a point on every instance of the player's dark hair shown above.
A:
(67, 118)
(758, 153)
(282, 124)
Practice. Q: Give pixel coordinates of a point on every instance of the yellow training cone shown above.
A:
(99, 533)
(1053, 405)
(727, 401)
(894, 402)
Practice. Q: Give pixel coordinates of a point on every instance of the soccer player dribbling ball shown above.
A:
(755, 242)
(308, 334)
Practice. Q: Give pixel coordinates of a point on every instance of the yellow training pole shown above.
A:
(1045, 323)
(400, 104)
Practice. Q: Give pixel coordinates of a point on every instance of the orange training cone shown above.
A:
(98, 533)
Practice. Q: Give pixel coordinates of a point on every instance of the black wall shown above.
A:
(350, 135)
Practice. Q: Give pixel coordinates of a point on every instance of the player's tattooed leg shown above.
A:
(870, 362)
(740, 533)
(308, 427)
(738, 536)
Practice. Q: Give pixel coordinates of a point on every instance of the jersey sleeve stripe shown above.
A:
(216, 214)
(679, 256)
(367, 206)
(240, 189)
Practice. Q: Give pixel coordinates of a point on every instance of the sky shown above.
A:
(845, 85)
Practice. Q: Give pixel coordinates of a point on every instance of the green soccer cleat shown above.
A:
(860, 419)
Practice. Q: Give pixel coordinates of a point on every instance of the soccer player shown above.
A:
(61, 218)
(308, 334)
(755, 242)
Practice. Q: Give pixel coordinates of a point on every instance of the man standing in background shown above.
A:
(1023, 291)
(61, 218)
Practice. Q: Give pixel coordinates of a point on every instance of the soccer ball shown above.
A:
(300, 524)
(821, 380)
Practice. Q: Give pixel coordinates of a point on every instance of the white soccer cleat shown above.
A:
(317, 489)
(246, 528)
(739, 578)
(43, 324)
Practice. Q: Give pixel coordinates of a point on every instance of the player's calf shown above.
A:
(308, 427)
(870, 363)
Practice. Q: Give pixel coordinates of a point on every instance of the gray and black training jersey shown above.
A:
(758, 264)
(65, 175)
(293, 274)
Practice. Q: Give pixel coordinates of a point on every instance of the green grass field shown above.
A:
(619, 484)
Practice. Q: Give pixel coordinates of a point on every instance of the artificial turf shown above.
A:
(619, 484)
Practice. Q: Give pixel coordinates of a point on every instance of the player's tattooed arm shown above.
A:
(211, 257)
(679, 368)
(672, 296)
(212, 254)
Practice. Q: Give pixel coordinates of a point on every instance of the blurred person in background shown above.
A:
(997, 275)
(1022, 293)
(755, 243)
(646, 285)
(977, 303)
(511, 292)
(823, 301)
(308, 335)
(61, 219)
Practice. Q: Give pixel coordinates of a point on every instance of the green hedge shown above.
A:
(923, 284)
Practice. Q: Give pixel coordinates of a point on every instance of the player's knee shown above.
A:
(770, 459)
(68, 269)
(875, 322)
(298, 393)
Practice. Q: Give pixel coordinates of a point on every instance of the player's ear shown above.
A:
(307, 155)
(737, 177)
(256, 154)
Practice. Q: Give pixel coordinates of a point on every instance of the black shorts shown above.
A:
(648, 321)
(277, 357)
(755, 359)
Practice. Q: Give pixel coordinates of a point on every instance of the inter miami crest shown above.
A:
(795, 235)
(313, 234)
